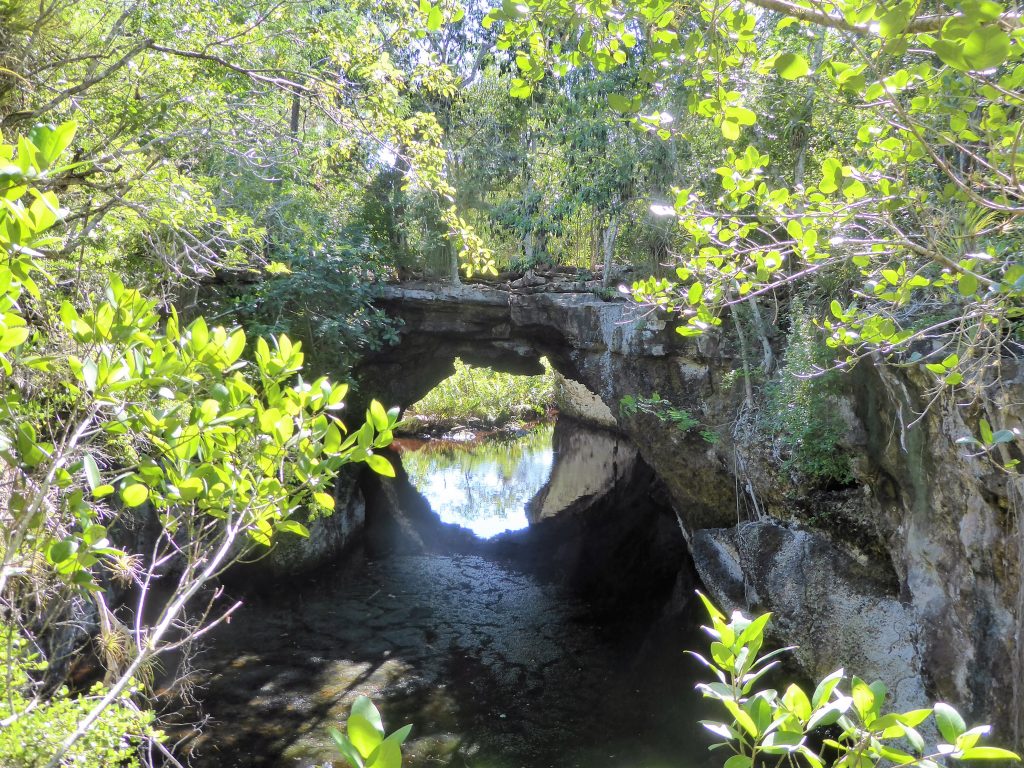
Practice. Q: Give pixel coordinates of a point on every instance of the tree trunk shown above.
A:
(610, 233)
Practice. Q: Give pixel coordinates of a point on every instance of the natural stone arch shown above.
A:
(611, 347)
(443, 322)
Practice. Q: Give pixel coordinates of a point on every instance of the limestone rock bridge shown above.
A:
(911, 573)
(612, 347)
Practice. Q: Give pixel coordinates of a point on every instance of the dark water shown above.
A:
(495, 665)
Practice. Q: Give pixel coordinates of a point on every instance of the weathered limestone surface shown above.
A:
(825, 602)
(912, 574)
(576, 401)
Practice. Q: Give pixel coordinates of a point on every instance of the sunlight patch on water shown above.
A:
(481, 485)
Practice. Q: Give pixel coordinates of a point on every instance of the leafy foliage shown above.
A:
(882, 136)
(34, 727)
(365, 744)
(665, 412)
(762, 724)
(495, 397)
(802, 408)
(226, 452)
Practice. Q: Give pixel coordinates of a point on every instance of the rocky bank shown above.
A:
(910, 574)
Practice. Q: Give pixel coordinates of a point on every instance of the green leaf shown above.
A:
(135, 494)
(951, 53)
(325, 500)
(863, 700)
(62, 550)
(738, 761)
(92, 472)
(387, 755)
(713, 612)
(967, 285)
(986, 48)
(348, 751)
(823, 691)
(951, 725)
(363, 735)
(434, 19)
(380, 465)
(365, 708)
(292, 526)
(791, 66)
(989, 753)
(620, 103)
(399, 736)
(797, 702)
(754, 633)
(378, 416)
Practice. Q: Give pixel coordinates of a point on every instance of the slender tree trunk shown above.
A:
(744, 354)
(800, 164)
(453, 264)
(768, 357)
(293, 122)
(610, 233)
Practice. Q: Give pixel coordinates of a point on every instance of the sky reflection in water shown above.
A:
(483, 485)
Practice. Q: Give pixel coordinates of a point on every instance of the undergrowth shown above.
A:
(32, 726)
(489, 396)
(802, 409)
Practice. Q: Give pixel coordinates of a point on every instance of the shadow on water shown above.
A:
(551, 646)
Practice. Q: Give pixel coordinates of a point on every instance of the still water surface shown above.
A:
(481, 484)
(495, 665)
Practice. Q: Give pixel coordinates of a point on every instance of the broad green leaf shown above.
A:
(380, 465)
(620, 103)
(325, 500)
(797, 702)
(951, 725)
(738, 761)
(378, 416)
(399, 736)
(823, 691)
(387, 755)
(435, 19)
(791, 66)
(92, 472)
(292, 526)
(135, 494)
(347, 749)
(989, 753)
(967, 285)
(986, 48)
(62, 550)
(364, 707)
(363, 735)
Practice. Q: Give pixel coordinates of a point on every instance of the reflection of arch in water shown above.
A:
(588, 464)
(483, 485)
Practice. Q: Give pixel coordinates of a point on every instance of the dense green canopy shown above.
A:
(181, 181)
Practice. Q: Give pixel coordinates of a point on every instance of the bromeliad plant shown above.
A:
(766, 728)
(365, 743)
